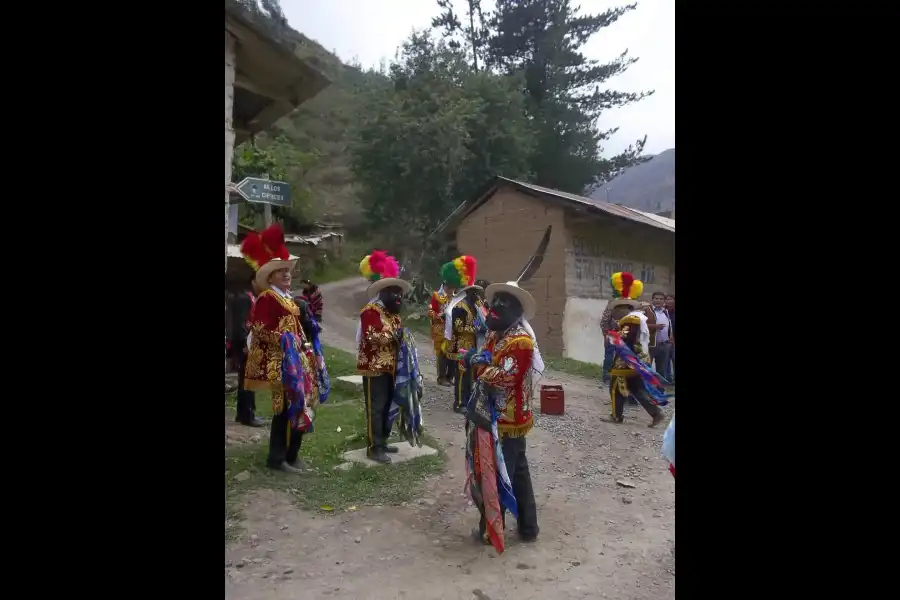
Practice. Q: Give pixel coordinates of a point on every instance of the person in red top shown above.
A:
(378, 336)
(276, 319)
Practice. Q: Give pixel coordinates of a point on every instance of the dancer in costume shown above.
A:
(379, 336)
(280, 357)
(446, 369)
(464, 323)
(631, 373)
(498, 415)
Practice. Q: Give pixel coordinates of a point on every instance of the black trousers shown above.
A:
(637, 391)
(284, 442)
(462, 386)
(246, 400)
(378, 391)
(523, 490)
(446, 367)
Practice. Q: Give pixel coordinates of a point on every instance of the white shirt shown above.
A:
(662, 318)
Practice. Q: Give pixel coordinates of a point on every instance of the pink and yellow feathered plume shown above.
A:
(459, 271)
(626, 286)
(379, 265)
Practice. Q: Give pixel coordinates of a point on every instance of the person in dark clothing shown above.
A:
(242, 311)
(670, 306)
(313, 297)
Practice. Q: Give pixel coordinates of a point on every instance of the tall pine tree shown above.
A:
(565, 90)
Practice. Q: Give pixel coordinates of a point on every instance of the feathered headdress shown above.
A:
(260, 248)
(459, 271)
(379, 265)
(625, 286)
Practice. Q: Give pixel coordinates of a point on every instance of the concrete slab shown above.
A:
(405, 453)
(354, 379)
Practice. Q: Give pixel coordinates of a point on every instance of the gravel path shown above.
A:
(606, 507)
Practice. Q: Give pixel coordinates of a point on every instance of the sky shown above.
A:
(371, 31)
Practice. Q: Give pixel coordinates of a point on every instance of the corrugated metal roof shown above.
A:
(661, 219)
(310, 239)
(615, 210)
(234, 251)
(607, 207)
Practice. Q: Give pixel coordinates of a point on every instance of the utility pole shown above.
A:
(267, 208)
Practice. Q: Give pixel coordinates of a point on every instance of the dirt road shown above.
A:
(598, 539)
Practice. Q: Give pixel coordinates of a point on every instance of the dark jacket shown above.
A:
(240, 316)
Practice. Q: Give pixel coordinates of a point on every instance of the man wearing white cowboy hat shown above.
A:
(498, 413)
(276, 336)
(378, 336)
(464, 323)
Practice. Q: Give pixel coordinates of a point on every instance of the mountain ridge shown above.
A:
(649, 186)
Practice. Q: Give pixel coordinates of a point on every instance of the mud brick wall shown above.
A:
(502, 234)
(601, 246)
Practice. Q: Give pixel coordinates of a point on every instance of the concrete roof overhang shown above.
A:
(270, 79)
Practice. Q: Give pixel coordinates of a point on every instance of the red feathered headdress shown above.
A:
(260, 248)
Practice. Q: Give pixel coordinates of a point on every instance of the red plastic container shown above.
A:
(553, 400)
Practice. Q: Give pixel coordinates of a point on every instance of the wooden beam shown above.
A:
(242, 80)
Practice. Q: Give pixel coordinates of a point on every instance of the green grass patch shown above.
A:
(336, 269)
(574, 367)
(325, 488)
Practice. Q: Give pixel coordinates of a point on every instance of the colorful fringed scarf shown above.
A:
(297, 384)
(321, 369)
(408, 386)
(653, 381)
(486, 476)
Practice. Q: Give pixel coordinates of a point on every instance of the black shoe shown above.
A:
(390, 449)
(459, 409)
(529, 538)
(379, 455)
(254, 422)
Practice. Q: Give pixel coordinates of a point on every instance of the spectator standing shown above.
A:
(670, 306)
(660, 338)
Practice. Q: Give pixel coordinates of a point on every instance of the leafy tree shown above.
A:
(280, 160)
(541, 39)
(431, 137)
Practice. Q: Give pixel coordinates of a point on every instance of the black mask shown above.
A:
(505, 310)
(392, 298)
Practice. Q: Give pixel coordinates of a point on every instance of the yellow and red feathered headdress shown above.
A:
(266, 252)
(625, 286)
(379, 265)
(260, 248)
(459, 272)
(383, 271)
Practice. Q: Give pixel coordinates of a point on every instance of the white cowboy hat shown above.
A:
(634, 304)
(262, 274)
(377, 286)
(471, 287)
(512, 288)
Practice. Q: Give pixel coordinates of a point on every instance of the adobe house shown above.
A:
(591, 240)
(264, 79)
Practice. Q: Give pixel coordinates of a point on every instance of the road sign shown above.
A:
(265, 190)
